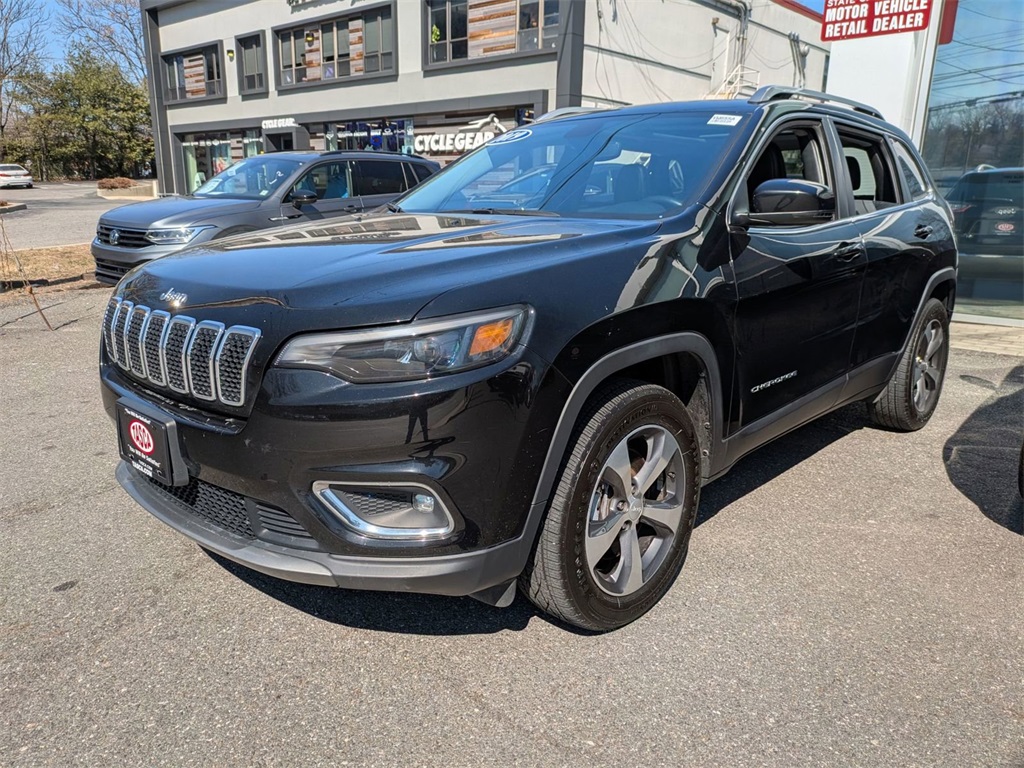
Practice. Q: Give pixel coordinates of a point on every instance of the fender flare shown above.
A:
(687, 342)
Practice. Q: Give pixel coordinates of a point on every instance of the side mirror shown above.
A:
(302, 197)
(791, 203)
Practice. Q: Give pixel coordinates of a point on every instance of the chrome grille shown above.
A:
(126, 238)
(204, 360)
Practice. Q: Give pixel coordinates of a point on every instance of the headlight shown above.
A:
(180, 235)
(417, 351)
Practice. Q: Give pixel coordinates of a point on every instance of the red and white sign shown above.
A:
(141, 437)
(1005, 226)
(849, 19)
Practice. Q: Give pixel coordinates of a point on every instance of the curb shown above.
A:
(13, 208)
(43, 282)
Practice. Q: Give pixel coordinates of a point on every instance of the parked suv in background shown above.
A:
(988, 208)
(254, 193)
(490, 382)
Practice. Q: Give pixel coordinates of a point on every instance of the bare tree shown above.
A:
(20, 21)
(110, 29)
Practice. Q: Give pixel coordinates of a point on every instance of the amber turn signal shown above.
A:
(491, 336)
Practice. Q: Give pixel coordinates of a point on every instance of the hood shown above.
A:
(174, 212)
(360, 271)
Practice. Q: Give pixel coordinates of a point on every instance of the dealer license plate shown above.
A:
(148, 441)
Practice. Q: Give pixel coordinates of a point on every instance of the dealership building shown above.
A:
(439, 77)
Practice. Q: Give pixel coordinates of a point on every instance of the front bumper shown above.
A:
(16, 181)
(112, 262)
(472, 439)
(469, 573)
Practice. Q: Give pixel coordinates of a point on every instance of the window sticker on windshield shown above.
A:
(507, 138)
(724, 119)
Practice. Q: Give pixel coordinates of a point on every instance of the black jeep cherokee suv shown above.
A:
(505, 379)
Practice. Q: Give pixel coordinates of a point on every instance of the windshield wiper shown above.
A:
(394, 208)
(505, 212)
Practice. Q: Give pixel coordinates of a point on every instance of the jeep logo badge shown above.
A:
(115, 235)
(174, 297)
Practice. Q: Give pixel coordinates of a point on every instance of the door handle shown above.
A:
(847, 252)
(922, 232)
(351, 208)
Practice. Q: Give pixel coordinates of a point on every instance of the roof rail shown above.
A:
(779, 92)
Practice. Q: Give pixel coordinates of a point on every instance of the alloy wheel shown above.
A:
(928, 365)
(636, 510)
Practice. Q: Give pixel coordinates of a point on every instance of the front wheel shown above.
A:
(910, 397)
(619, 525)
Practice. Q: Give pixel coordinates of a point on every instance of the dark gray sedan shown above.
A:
(255, 193)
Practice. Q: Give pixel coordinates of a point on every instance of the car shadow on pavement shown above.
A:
(764, 465)
(397, 612)
(982, 456)
(437, 615)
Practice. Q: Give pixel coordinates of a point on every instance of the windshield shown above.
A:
(636, 166)
(251, 179)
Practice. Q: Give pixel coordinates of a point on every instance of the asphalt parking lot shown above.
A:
(75, 202)
(852, 597)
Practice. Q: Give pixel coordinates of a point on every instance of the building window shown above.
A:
(456, 32)
(337, 49)
(193, 74)
(252, 64)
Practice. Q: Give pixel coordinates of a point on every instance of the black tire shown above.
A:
(560, 579)
(902, 406)
(1020, 473)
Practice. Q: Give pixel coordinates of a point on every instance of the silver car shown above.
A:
(12, 175)
(254, 193)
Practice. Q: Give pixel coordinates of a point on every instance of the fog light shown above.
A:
(387, 511)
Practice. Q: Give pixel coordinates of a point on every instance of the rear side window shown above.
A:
(379, 177)
(913, 179)
(420, 172)
(870, 172)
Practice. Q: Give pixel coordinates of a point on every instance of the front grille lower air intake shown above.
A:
(203, 359)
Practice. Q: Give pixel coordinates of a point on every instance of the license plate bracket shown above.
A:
(148, 440)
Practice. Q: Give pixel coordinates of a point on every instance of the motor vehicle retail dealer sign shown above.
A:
(849, 19)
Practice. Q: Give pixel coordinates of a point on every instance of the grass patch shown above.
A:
(54, 263)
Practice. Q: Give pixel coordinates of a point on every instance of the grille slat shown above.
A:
(133, 340)
(233, 362)
(204, 360)
(200, 359)
(178, 334)
(109, 317)
(152, 340)
(120, 321)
